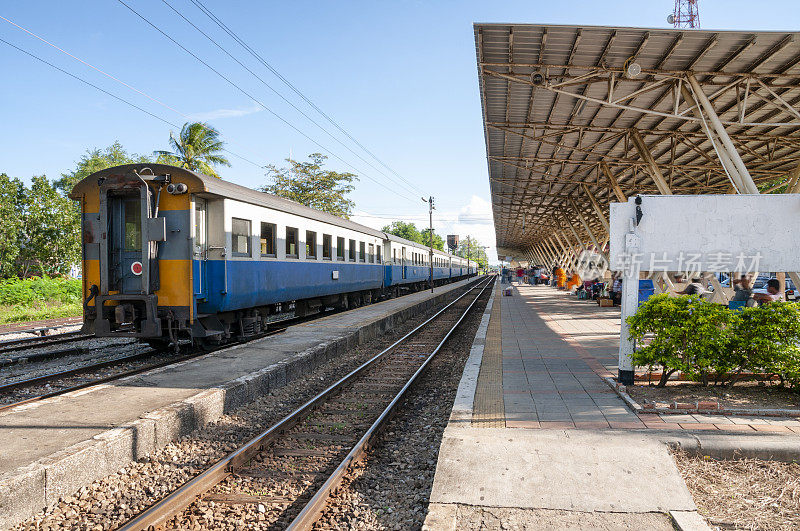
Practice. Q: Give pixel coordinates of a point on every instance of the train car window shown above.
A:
(269, 233)
(352, 250)
(291, 242)
(371, 254)
(340, 248)
(240, 237)
(362, 252)
(327, 247)
(311, 245)
(380, 249)
(394, 256)
(133, 225)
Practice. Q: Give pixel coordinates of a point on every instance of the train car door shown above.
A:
(200, 261)
(404, 266)
(125, 245)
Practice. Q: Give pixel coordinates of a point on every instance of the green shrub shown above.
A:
(34, 298)
(30, 291)
(685, 334)
(766, 339)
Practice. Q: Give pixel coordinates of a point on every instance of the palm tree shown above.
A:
(197, 148)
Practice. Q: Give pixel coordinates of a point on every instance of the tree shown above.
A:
(51, 231)
(409, 231)
(472, 249)
(197, 148)
(309, 184)
(11, 209)
(95, 160)
(438, 242)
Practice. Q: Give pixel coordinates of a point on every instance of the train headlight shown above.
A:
(177, 188)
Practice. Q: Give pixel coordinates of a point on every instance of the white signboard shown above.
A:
(694, 233)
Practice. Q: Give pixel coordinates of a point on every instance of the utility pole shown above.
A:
(468, 254)
(430, 235)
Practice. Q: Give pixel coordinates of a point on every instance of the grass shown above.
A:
(16, 314)
(35, 299)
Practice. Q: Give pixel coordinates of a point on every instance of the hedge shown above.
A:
(703, 340)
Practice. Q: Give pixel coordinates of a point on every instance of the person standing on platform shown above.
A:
(616, 289)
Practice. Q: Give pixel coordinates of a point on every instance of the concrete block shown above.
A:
(441, 517)
(143, 432)
(22, 493)
(73, 468)
(207, 406)
(688, 521)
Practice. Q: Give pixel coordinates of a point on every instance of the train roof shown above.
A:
(199, 183)
(398, 239)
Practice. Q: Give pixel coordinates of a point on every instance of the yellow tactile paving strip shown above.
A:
(488, 410)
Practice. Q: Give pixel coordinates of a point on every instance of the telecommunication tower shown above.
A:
(686, 14)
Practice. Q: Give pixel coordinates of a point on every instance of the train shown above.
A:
(172, 254)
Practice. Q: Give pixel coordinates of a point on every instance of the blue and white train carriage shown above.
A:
(171, 253)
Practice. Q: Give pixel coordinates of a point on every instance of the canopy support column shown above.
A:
(597, 208)
(655, 171)
(727, 143)
(613, 182)
(588, 230)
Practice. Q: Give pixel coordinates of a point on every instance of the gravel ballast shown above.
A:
(111, 501)
(390, 489)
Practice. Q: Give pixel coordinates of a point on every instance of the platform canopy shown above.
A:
(576, 117)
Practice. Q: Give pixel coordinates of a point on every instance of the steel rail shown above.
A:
(313, 509)
(38, 380)
(41, 341)
(57, 323)
(175, 502)
(273, 328)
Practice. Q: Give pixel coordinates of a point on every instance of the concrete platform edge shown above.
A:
(41, 484)
(688, 521)
(465, 395)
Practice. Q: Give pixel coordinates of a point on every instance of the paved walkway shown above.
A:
(555, 351)
(578, 457)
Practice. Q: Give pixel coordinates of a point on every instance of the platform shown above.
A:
(54, 447)
(538, 435)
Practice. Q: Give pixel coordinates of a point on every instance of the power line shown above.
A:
(270, 87)
(89, 83)
(297, 91)
(113, 78)
(240, 89)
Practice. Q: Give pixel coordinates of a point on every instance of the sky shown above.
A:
(400, 77)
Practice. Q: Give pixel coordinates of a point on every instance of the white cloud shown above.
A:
(224, 113)
(473, 219)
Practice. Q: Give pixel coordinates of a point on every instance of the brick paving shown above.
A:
(488, 407)
(555, 350)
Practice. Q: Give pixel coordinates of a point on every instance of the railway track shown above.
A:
(293, 466)
(66, 381)
(40, 342)
(63, 382)
(39, 327)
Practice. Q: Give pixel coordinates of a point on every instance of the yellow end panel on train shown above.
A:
(176, 283)
(91, 276)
